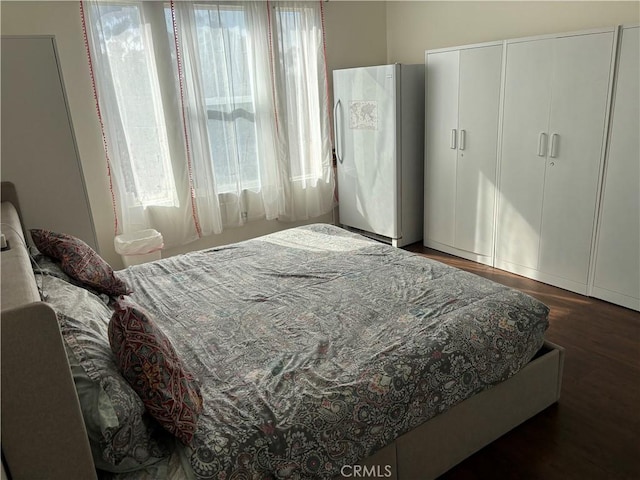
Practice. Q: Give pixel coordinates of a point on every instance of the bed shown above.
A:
(318, 353)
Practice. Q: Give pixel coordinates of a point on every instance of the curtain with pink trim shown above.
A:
(214, 114)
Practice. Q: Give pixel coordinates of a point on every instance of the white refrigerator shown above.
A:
(378, 117)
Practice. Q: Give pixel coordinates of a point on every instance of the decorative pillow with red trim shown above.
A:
(148, 361)
(79, 261)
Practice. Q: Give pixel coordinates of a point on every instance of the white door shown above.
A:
(38, 152)
(462, 103)
(365, 117)
(478, 110)
(617, 266)
(581, 71)
(553, 125)
(525, 122)
(441, 146)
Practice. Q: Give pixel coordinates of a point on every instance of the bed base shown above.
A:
(444, 441)
(43, 433)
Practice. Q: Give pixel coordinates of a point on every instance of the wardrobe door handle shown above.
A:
(463, 136)
(542, 144)
(453, 139)
(555, 139)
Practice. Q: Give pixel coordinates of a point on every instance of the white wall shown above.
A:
(356, 34)
(413, 27)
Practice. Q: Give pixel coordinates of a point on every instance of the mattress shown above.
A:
(315, 347)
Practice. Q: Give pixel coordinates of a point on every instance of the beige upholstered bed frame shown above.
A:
(43, 435)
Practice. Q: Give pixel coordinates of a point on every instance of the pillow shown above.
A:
(79, 261)
(42, 264)
(152, 367)
(123, 437)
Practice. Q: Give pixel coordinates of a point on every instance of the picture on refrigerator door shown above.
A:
(363, 115)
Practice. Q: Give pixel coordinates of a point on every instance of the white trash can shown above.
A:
(139, 247)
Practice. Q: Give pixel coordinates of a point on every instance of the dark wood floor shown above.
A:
(593, 432)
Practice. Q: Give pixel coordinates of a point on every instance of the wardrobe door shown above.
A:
(581, 73)
(440, 146)
(527, 98)
(38, 150)
(617, 265)
(478, 111)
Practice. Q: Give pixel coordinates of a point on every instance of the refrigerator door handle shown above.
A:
(463, 138)
(336, 130)
(453, 139)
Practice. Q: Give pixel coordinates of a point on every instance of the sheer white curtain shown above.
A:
(215, 114)
(304, 136)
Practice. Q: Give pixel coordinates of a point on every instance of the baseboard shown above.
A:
(615, 297)
(533, 274)
(474, 257)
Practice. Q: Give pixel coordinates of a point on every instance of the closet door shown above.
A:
(441, 146)
(527, 99)
(617, 264)
(555, 108)
(478, 111)
(581, 73)
(38, 151)
(462, 105)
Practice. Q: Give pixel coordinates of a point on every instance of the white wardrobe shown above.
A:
(38, 148)
(617, 255)
(545, 180)
(553, 137)
(463, 99)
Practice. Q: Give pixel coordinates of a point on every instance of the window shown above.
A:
(135, 88)
(213, 111)
(225, 76)
(296, 31)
